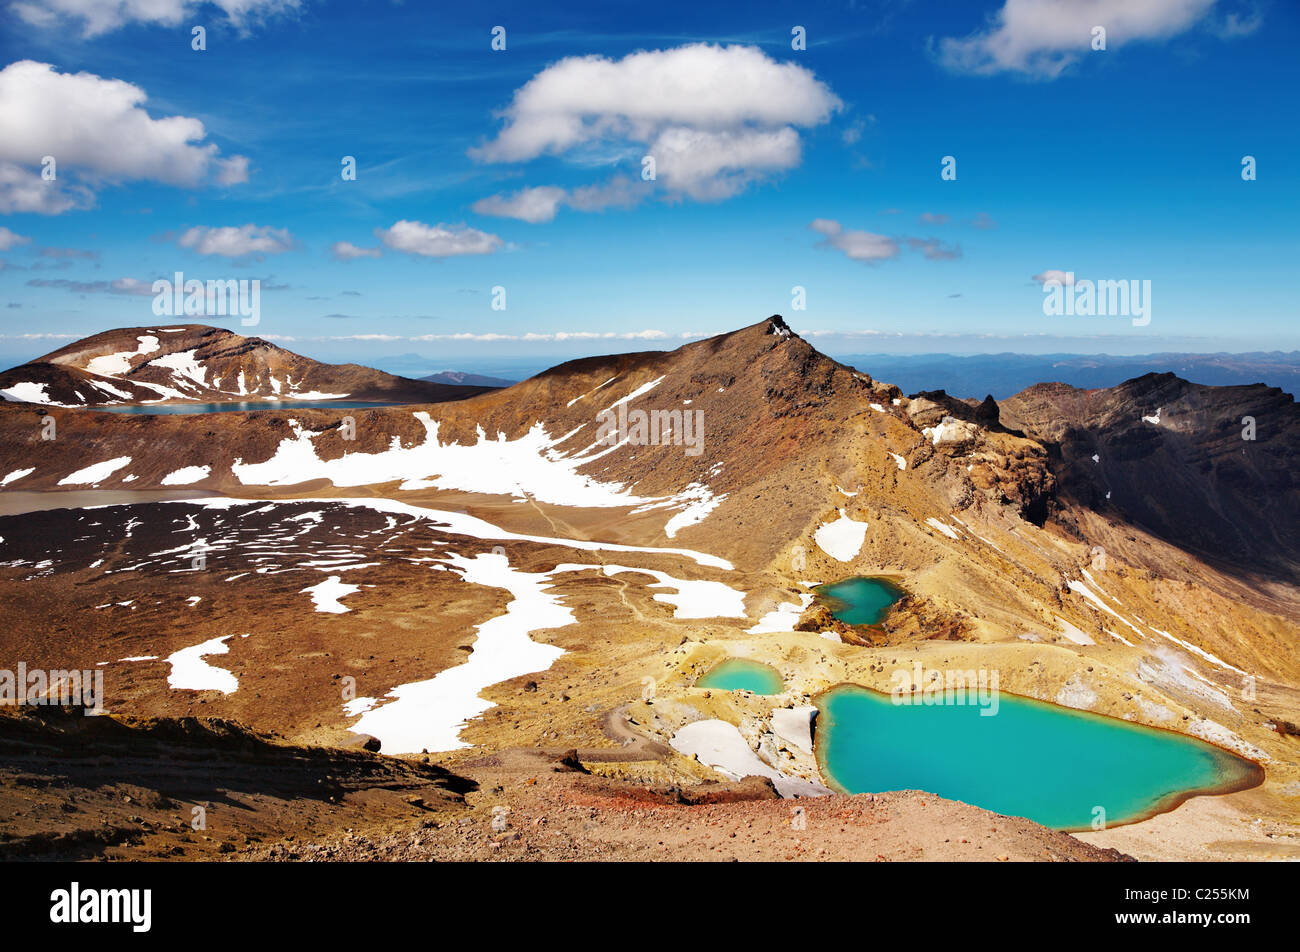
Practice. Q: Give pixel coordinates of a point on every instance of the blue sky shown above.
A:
(522, 168)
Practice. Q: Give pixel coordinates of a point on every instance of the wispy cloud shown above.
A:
(128, 286)
(9, 239)
(236, 242)
(1041, 38)
(1053, 276)
(535, 205)
(856, 245)
(347, 251)
(96, 17)
(934, 249)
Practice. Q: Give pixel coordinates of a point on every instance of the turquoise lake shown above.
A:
(860, 600)
(244, 405)
(737, 674)
(1032, 759)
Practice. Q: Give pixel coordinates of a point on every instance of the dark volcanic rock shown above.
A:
(1215, 470)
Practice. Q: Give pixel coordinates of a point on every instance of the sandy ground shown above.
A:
(1218, 829)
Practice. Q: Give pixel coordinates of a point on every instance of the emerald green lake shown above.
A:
(1051, 764)
(737, 674)
(860, 600)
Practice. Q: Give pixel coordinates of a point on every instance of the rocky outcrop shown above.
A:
(1214, 470)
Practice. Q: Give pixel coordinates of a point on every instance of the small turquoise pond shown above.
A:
(1031, 759)
(737, 674)
(152, 409)
(860, 600)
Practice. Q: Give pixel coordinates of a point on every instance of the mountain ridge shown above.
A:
(199, 363)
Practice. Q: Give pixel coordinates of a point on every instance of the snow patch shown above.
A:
(186, 476)
(430, 714)
(326, 595)
(943, 527)
(841, 539)
(114, 365)
(694, 598)
(782, 618)
(530, 466)
(95, 473)
(17, 475)
(191, 673)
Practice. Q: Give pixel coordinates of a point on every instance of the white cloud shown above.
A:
(232, 171)
(9, 239)
(103, 16)
(870, 247)
(1043, 37)
(96, 130)
(711, 165)
(347, 251)
(232, 242)
(1234, 25)
(540, 204)
(532, 205)
(856, 245)
(714, 118)
(1063, 278)
(23, 190)
(618, 192)
(438, 241)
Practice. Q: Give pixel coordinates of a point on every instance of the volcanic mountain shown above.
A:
(195, 363)
(634, 519)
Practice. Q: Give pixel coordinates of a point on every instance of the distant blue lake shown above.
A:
(153, 409)
(860, 600)
(740, 674)
(1051, 764)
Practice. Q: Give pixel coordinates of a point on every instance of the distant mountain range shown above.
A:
(468, 380)
(1002, 375)
(425, 366)
(976, 375)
